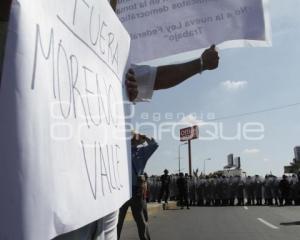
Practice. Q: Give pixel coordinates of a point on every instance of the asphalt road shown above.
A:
(211, 223)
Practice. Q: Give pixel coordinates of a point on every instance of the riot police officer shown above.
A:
(183, 191)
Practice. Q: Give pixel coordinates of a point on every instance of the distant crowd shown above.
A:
(223, 190)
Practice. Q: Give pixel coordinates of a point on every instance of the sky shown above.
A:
(247, 80)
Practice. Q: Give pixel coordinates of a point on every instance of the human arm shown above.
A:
(142, 80)
(171, 75)
(147, 150)
(143, 154)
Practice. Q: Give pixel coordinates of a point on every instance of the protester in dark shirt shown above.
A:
(141, 150)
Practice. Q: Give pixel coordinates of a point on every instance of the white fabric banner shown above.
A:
(161, 28)
(63, 149)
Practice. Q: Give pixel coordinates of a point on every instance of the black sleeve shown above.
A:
(5, 10)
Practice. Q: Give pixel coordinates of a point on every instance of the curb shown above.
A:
(153, 209)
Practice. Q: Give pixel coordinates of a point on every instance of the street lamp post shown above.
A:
(204, 164)
(179, 155)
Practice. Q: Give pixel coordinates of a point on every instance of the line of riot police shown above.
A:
(225, 191)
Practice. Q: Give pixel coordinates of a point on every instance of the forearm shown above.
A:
(149, 140)
(171, 75)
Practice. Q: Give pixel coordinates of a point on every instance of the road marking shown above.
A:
(246, 208)
(267, 223)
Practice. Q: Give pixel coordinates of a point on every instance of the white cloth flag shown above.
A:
(63, 148)
(161, 28)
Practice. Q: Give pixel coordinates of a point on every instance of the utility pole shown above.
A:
(188, 134)
(190, 157)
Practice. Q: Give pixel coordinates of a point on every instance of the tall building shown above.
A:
(229, 161)
(233, 167)
(237, 162)
(294, 166)
(297, 153)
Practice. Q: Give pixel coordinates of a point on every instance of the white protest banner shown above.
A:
(64, 155)
(160, 28)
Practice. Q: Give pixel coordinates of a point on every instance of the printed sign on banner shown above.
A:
(63, 148)
(160, 28)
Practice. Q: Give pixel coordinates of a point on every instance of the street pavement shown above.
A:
(211, 223)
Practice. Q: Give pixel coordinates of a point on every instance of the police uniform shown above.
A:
(258, 188)
(165, 187)
(183, 191)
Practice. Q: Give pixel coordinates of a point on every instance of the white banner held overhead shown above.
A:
(160, 28)
(64, 155)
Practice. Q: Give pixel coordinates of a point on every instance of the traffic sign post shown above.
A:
(189, 134)
(190, 158)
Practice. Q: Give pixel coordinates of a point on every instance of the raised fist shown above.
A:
(210, 58)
